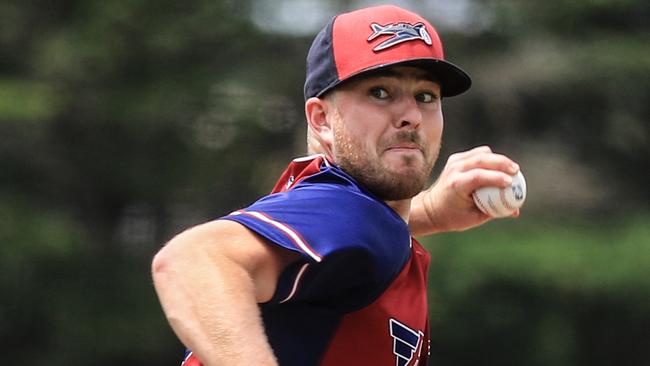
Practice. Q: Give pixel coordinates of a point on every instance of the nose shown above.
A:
(409, 113)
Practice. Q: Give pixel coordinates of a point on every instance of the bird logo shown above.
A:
(400, 32)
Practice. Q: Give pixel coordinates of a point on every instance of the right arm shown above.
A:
(209, 280)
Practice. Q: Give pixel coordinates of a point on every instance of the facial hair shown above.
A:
(367, 168)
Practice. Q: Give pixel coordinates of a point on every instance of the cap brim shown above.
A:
(453, 80)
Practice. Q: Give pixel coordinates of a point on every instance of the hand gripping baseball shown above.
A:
(448, 203)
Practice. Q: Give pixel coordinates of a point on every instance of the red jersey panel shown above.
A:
(393, 330)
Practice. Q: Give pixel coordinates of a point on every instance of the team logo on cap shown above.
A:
(401, 32)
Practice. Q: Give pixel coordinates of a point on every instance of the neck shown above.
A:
(402, 207)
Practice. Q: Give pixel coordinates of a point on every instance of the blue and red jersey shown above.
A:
(357, 296)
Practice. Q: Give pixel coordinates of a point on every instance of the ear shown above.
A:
(316, 111)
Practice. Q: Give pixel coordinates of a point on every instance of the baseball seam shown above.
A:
(481, 204)
(504, 200)
(496, 211)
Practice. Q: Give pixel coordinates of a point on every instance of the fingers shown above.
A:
(482, 157)
(471, 180)
(471, 152)
(479, 167)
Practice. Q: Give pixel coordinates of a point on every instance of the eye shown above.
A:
(379, 93)
(426, 97)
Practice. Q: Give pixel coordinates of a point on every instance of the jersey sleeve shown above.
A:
(348, 242)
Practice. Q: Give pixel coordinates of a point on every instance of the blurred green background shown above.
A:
(123, 122)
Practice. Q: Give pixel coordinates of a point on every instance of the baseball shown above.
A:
(501, 202)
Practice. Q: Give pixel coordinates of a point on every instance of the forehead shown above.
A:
(401, 73)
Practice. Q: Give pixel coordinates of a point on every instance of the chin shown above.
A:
(405, 183)
(410, 170)
(398, 191)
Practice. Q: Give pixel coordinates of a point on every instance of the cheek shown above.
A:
(433, 135)
(347, 142)
(365, 129)
(434, 128)
(437, 131)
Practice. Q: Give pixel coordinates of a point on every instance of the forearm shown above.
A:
(211, 306)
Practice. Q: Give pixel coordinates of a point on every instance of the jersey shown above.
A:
(358, 295)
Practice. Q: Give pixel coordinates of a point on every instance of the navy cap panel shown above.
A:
(321, 66)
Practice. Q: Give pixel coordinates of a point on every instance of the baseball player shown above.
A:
(325, 270)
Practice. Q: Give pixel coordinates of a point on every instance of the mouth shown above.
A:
(404, 147)
(405, 143)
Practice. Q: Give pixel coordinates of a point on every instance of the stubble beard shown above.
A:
(386, 183)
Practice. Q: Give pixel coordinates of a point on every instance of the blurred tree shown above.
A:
(123, 122)
(563, 86)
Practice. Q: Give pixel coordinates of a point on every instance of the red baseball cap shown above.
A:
(376, 37)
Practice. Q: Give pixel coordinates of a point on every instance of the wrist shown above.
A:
(423, 218)
(432, 221)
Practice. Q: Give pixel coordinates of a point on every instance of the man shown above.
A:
(325, 270)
